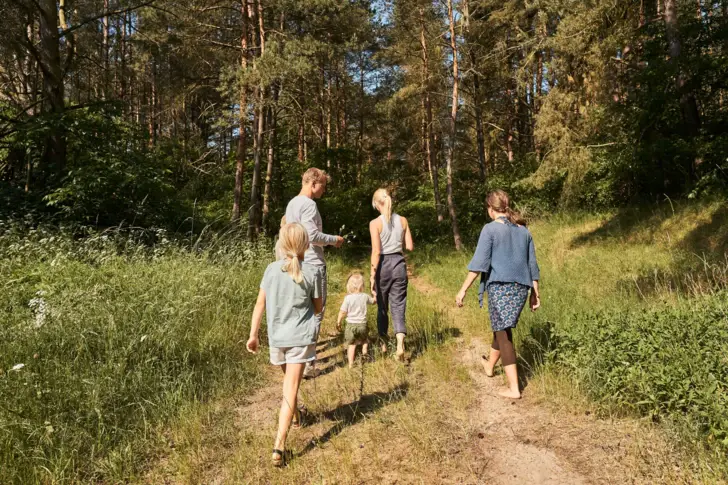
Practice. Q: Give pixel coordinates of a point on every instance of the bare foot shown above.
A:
(384, 348)
(400, 355)
(488, 370)
(510, 394)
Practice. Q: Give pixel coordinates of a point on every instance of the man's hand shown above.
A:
(339, 242)
(338, 326)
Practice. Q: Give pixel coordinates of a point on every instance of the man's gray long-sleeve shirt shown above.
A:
(304, 211)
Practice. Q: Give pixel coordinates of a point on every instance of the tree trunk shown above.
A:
(272, 126)
(479, 125)
(54, 150)
(453, 128)
(105, 50)
(253, 224)
(242, 119)
(688, 103)
(432, 164)
(301, 128)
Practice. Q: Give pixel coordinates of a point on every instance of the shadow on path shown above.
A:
(351, 413)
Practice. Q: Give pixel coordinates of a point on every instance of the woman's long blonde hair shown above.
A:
(294, 241)
(383, 203)
(499, 201)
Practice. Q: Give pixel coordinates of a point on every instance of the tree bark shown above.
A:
(54, 150)
(688, 103)
(253, 224)
(453, 129)
(432, 164)
(272, 127)
(242, 119)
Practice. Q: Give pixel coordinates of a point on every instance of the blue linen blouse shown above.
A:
(506, 254)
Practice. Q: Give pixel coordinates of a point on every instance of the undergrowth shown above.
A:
(104, 339)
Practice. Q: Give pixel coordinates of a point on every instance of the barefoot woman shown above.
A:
(390, 233)
(506, 258)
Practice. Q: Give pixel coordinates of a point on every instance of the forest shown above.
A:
(148, 151)
(154, 113)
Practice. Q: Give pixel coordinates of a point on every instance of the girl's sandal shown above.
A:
(278, 459)
(484, 361)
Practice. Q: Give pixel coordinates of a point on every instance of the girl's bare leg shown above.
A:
(351, 352)
(291, 383)
(513, 392)
(365, 349)
(489, 365)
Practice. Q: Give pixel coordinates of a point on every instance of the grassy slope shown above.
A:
(668, 260)
(113, 348)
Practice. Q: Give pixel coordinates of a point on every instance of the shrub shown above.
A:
(669, 363)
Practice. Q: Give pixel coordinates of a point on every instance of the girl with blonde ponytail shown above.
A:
(290, 296)
(390, 233)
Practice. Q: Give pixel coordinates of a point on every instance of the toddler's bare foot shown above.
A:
(510, 394)
(384, 348)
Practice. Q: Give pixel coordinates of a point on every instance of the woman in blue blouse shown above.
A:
(506, 259)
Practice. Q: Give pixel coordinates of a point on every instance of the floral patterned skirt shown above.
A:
(505, 303)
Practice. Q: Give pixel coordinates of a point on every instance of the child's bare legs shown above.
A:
(291, 383)
(365, 349)
(503, 339)
(351, 352)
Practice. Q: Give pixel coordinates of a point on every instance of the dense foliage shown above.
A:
(180, 114)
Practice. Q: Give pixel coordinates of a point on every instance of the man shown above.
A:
(303, 209)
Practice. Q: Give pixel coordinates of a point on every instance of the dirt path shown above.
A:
(435, 421)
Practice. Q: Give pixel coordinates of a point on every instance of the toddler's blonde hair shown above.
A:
(383, 203)
(355, 283)
(294, 241)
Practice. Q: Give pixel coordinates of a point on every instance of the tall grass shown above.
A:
(103, 340)
(635, 312)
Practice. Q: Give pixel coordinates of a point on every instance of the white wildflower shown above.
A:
(40, 309)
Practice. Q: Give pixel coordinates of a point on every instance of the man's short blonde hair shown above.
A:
(315, 176)
(355, 283)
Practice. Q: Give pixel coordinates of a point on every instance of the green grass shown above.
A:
(634, 316)
(113, 342)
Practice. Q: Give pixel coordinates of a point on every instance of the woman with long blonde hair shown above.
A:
(290, 295)
(506, 260)
(390, 234)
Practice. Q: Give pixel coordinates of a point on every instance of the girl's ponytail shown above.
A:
(294, 242)
(383, 203)
(499, 201)
(515, 217)
(292, 266)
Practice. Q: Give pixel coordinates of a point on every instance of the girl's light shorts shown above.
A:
(292, 355)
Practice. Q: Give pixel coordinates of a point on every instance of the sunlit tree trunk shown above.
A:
(242, 119)
(453, 128)
(429, 139)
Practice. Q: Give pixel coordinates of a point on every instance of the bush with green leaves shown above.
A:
(669, 363)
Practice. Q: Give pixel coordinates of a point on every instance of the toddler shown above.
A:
(354, 309)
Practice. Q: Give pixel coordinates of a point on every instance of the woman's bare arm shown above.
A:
(409, 243)
(375, 228)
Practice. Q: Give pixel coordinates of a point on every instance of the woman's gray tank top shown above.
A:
(391, 235)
